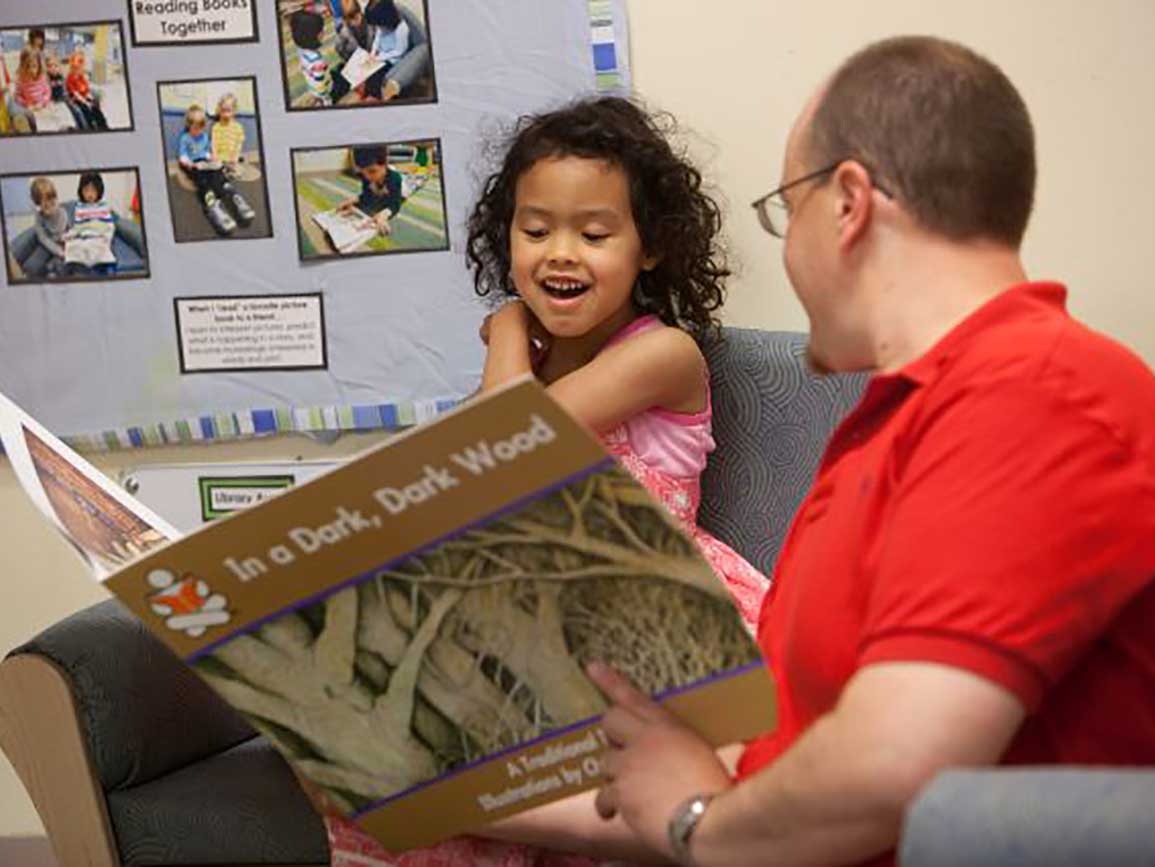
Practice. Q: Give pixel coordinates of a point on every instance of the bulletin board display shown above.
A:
(224, 218)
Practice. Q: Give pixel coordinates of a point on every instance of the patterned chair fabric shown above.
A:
(772, 419)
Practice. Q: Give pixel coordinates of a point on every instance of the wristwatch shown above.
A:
(683, 822)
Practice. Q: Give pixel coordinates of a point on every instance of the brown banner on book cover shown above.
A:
(383, 506)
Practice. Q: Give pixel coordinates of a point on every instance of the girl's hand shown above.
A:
(517, 316)
(514, 316)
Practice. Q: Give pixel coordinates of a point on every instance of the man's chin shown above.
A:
(814, 362)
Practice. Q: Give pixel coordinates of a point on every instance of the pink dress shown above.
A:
(666, 451)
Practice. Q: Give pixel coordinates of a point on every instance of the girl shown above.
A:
(228, 135)
(601, 237)
(33, 90)
(90, 214)
(391, 41)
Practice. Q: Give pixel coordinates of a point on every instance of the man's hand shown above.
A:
(654, 762)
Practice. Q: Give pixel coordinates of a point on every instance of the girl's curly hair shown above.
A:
(677, 221)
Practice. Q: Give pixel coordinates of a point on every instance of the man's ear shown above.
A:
(854, 200)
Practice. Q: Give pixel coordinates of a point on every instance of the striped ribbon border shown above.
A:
(219, 427)
(606, 50)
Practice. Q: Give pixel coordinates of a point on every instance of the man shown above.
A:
(969, 581)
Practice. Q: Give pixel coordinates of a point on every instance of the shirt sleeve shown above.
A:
(46, 239)
(1020, 528)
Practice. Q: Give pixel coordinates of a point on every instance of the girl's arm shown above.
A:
(659, 368)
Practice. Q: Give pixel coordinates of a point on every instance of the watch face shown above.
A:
(683, 822)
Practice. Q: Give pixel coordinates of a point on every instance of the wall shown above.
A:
(737, 72)
(1087, 74)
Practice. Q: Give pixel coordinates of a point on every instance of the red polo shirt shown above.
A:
(990, 506)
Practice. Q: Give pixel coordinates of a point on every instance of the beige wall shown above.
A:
(736, 72)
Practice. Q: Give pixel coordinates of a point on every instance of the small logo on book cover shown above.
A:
(186, 603)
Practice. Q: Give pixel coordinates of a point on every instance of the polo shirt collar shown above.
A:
(1010, 304)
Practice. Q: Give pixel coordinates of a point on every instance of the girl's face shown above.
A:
(33, 66)
(226, 112)
(89, 193)
(575, 251)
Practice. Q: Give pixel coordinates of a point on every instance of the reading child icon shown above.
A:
(187, 604)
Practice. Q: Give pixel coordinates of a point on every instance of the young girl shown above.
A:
(228, 135)
(391, 42)
(601, 237)
(90, 214)
(33, 90)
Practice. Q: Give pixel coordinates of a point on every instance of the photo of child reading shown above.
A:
(73, 226)
(355, 53)
(63, 79)
(369, 199)
(214, 159)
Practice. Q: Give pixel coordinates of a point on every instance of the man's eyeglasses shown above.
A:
(773, 210)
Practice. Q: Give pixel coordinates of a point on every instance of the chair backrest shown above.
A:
(772, 419)
(145, 713)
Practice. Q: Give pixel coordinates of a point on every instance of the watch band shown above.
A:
(683, 821)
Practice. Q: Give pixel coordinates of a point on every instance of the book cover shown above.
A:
(411, 628)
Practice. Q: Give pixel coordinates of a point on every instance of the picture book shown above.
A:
(347, 230)
(412, 628)
(360, 65)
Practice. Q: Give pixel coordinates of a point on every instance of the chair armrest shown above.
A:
(41, 735)
(142, 711)
(1025, 817)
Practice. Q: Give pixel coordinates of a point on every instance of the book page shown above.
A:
(90, 243)
(106, 526)
(360, 66)
(347, 230)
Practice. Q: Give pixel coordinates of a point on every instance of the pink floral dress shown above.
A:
(666, 452)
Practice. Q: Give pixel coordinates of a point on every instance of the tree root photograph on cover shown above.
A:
(480, 644)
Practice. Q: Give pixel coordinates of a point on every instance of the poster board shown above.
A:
(225, 307)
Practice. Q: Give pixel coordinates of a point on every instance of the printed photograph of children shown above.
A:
(63, 78)
(72, 226)
(355, 53)
(369, 199)
(214, 159)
